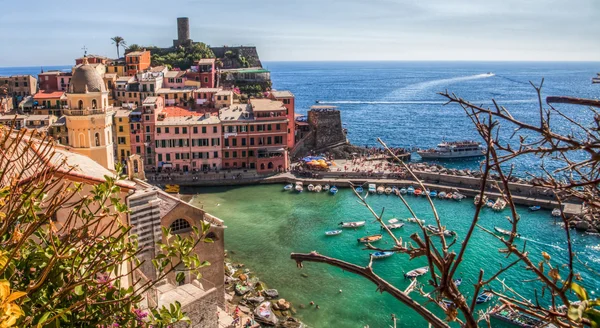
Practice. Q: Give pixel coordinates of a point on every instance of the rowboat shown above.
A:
(458, 282)
(326, 187)
(310, 187)
(382, 255)
(352, 224)
(556, 212)
(416, 272)
(318, 188)
(359, 189)
(288, 187)
(477, 198)
(403, 191)
(333, 232)
(372, 188)
(534, 208)
(395, 226)
(388, 190)
(449, 195)
(499, 205)
(484, 297)
(504, 232)
(418, 192)
(426, 192)
(299, 186)
(395, 190)
(333, 190)
(410, 190)
(264, 314)
(434, 229)
(433, 194)
(490, 203)
(393, 220)
(458, 196)
(441, 195)
(415, 220)
(369, 239)
(380, 190)
(517, 318)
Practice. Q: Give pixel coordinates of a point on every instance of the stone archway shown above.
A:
(135, 167)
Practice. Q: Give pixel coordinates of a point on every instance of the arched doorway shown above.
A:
(270, 166)
(94, 104)
(80, 104)
(262, 166)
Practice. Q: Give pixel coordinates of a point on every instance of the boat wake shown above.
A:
(541, 243)
(410, 91)
(422, 102)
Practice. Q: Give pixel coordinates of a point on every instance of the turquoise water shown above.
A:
(265, 225)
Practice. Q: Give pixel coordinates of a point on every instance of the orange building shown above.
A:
(137, 61)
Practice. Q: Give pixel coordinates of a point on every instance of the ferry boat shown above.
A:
(454, 150)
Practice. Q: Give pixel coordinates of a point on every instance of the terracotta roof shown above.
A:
(49, 95)
(174, 74)
(173, 111)
(266, 105)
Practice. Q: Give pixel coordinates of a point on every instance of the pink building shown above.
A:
(174, 80)
(63, 80)
(187, 140)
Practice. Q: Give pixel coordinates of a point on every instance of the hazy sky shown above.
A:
(53, 32)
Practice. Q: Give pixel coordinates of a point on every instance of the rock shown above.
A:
(258, 299)
(271, 293)
(244, 309)
(285, 313)
(582, 226)
(302, 306)
(282, 304)
(243, 277)
(304, 275)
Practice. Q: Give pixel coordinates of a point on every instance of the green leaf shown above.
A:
(43, 319)
(78, 290)
(594, 317)
(580, 291)
(575, 312)
(180, 277)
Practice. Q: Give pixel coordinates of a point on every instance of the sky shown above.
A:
(41, 32)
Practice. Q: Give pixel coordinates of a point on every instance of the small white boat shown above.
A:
(458, 282)
(490, 203)
(416, 272)
(326, 187)
(534, 208)
(499, 205)
(310, 187)
(484, 297)
(369, 239)
(299, 186)
(288, 187)
(388, 190)
(415, 220)
(556, 212)
(427, 192)
(477, 198)
(410, 190)
(372, 188)
(333, 190)
(333, 232)
(504, 232)
(403, 191)
(380, 190)
(382, 255)
(395, 226)
(434, 229)
(458, 196)
(352, 224)
(318, 188)
(441, 195)
(393, 220)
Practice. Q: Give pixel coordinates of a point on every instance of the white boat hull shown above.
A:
(450, 155)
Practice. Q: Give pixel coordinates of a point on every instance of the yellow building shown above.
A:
(122, 131)
(89, 116)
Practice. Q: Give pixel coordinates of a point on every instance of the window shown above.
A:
(234, 142)
(243, 153)
(158, 130)
(167, 129)
(168, 157)
(97, 138)
(216, 154)
(251, 128)
(278, 139)
(176, 130)
(278, 126)
(269, 127)
(235, 154)
(80, 104)
(138, 150)
(226, 142)
(243, 141)
(195, 129)
(269, 139)
(147, 129)
(214, 129)
(250, 154)
(226, 154)
(137, 138)
(120, 128)
(180, 226)
(203, 129)
(205, 79)
(251, 141)
(184, 130)
(147, 117)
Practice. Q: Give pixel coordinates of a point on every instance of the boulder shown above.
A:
(271, 293)
(282, 304)
(243, 277)
(258, 299)
(582, 226)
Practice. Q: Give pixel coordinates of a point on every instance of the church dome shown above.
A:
(86, 79)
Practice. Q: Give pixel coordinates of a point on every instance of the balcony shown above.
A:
(83, 112)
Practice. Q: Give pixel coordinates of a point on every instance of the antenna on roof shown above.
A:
(84, 51)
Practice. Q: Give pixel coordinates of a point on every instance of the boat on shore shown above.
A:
(372, 188)
(333, 232)
(310, 187)
(415, 220)
(505, 232)
(299, 186)
(517, 318)
(394, 226)
(370, 239)
(333, 190)
(355, 224)
(454, 150)
(556, 212)
(380, 190)
(416, 272)
(534, 208)
(288, 187)
(318, 188)
(434, 229)
(382, 255)
(484, 297)
(265, 315)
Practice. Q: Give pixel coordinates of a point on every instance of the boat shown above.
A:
(318, 188)
(288, 187)
(517, 318)
(310, 187)
(265, 315)
(395, 190)
(458, 282)
(596, 79)
(380, 190)
(333, 232)
(382, 255)
(403, 191)
(434, 229)
(484, 297)
(369, 239)
(504, 232)
(534, 208)
(333, 190)
(418, 192)
(359, 189)
(352, 224)
(299, 186)
(395, 226)
(458, 196)
(454, 150)
(326, 187)
(449, 195)
(393, 220)
(499, 205)
(556, 212)
(415, 220)
(172, 189)
(388, 190)
(441, 195)
(433, 194)
(448, 302)
(477, 198)
(490, 203)
(427, 192)
(410, 190)
(416, 272)
(372, 188)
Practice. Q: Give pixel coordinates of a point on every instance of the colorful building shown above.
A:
(174, 80)
(122, 134)
(137, 61)
(19, 86)
(49, 103)
(203, 71)
(288, 100)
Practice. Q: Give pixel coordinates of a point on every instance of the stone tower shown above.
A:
(88, 117)
(326, 125)
(183, 32)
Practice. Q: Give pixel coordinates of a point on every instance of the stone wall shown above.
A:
(326, 126)
(250, 53)
(202, 312)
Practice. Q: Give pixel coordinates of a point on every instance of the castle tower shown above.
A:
(89, 117)
(183, 32)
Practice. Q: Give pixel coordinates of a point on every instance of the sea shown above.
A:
(398, 102)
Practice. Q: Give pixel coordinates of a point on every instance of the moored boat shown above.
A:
(517, 318)
(499, 205)
(372, 188)
(434, 229)
(403, 191)
(416, 272)
(418, 192)
(410, 190)
(388, 190)
(534, 208)
(504, 232)
(433, 194)
(380, 190)
(490, 203)
(333, 232)
(359, 189)
(382, 255)
(449, 195)
(326, 187)
(310, 187)
(556, 212)
(477, 198)
(458, 196)
(288, 187)
(441, 195)
(265, 315)
(318, 188)
(426, 192)
(355, 224)
(395, 226)
(299, 186)
(369, 239)
(415, 220)
(393, 220)
(395, 190)
(172, 189)
(484, 297)
(333, 190)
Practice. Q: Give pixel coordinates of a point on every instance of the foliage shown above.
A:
(181, 57)
(133, 47)
(66, 255)
(119, 42)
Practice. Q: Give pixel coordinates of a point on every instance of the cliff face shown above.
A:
(232, 56)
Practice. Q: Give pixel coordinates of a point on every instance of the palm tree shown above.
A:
(134, 47)
(118, 41)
